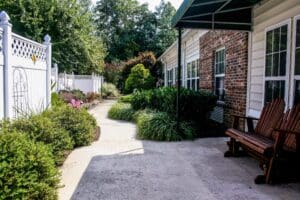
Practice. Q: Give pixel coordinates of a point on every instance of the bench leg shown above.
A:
(233, 148)
(268, 173)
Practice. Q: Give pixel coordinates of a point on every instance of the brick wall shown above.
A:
(236, 46)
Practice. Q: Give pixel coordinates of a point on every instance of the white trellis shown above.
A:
(25, 72)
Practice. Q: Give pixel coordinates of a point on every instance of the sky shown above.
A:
(154, 3)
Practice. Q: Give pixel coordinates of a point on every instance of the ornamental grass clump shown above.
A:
(27, 168)
(42, 129)
(162, 127)
(121, 111)
(79, 124)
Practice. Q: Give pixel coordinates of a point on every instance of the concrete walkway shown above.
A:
(119, 167)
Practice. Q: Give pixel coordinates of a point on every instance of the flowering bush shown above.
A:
(76, 103)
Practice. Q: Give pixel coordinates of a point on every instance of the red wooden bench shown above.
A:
(274, 134)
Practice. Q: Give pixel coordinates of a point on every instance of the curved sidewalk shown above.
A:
(119, 167)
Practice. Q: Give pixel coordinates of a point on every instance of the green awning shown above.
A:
(215, 14)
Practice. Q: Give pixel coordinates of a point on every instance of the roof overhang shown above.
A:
(215, 14)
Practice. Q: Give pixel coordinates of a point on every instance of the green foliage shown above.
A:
(77, 122)
(148, 60)
(79, 95)
(76, 47)
(109, 90)
(162, 127)
(128, 28)
(42, 129)
(125, 99)
(139, 79)
(56, 100)
(165, 34)
(27, 169)
(194, 106)
(112, 73)
(121, 111)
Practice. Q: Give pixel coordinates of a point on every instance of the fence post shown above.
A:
(8, 73)
(47, 43)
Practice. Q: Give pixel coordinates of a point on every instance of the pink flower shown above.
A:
(76, 103)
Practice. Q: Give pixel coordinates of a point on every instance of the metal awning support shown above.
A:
(178, 78)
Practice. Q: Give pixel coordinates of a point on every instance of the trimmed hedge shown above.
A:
(77, 122)
(195, 106)
(161, 126)
(27, 169)
(42, 129)
(121, 111)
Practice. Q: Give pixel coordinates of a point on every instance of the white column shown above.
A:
(47, 43)
(8, 73)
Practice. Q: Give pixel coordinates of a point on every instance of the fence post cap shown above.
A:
(47, 39)
(4, 18)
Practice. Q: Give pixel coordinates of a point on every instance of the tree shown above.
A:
(166, 35)
(139, 78)
(76, 47)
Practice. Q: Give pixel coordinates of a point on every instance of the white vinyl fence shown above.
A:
(25, 72)
(85, 83)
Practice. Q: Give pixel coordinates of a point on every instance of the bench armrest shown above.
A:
(249, 120)
(244, 117)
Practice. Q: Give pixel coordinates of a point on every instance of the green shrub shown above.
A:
(79, 95)
(121, 111)
(139, 78)
(109, 90)
(162, 127)
(56, 100)
(77, 122)
(42, 129)
(194, 106)
(125, 99)
(27, 169)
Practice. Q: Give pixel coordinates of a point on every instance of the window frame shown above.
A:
(293, 76)
(285, 78)
(190, 77)
(222, 75)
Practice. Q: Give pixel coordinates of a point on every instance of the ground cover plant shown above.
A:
(121, 111)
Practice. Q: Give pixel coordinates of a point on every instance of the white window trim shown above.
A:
(215, 69)
(294, 77)
(285, 78)
(192, 78)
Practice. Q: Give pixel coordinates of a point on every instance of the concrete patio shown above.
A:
(119, 167)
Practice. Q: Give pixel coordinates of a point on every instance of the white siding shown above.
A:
(266, 14)
(190, 52)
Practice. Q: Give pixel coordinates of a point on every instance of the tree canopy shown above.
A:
(76, 46)
(128, 28)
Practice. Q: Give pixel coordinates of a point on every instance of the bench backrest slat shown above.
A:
(270, 118)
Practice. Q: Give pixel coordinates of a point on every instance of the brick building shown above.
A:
(215, 61)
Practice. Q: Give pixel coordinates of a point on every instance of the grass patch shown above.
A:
(125, 99)
(121, 111)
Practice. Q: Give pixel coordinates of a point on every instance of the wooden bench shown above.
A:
(265, 141)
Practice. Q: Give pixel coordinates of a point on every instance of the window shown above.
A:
(297, 63)
(170, 77)
(220, 74)
(192, 76)
(276, 63)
